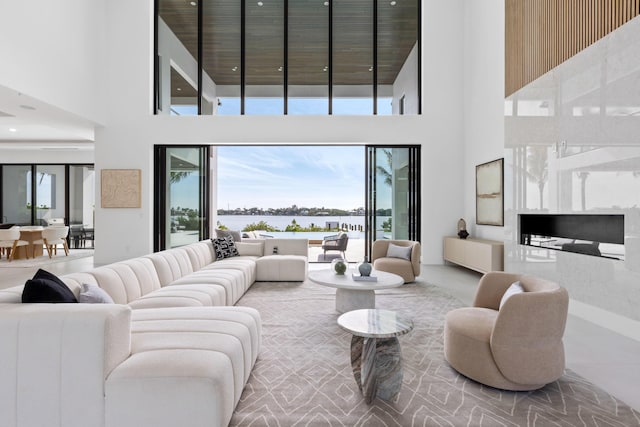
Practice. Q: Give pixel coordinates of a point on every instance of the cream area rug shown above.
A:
(44, 260)
(303, 375)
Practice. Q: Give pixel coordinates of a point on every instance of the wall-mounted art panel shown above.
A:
(121, 188)
(489, 193)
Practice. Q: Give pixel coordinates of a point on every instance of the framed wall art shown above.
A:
(121, 188)
(489, 193)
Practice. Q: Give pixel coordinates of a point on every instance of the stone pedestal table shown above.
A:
(375, 351)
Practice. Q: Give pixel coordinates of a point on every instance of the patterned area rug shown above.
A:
(303, 375)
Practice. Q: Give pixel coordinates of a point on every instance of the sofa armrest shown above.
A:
(55, 358)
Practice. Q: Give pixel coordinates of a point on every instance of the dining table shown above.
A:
(30, 234)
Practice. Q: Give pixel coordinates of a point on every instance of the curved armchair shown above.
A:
(337, 242)
(10, 241)
(383, 260)
(513, 345)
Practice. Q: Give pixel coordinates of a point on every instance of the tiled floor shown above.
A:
(601, 356)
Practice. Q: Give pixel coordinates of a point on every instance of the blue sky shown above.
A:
(281, 176)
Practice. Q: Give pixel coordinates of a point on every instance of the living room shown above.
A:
(102, 82)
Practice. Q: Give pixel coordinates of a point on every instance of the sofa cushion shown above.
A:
(94, 294)
(228, 233)
(47, 288)
(224, 247)
(395, 251)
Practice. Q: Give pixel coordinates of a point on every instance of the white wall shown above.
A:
(53, 51)
(127, 141)
(483, 102)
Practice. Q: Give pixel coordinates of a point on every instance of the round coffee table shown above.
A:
(375, 351)
(351, 294)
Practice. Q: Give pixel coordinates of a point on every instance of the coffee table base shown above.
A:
(377, 367)
(350, 299)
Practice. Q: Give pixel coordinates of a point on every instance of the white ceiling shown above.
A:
(25, 119)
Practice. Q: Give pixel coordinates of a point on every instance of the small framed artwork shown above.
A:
(489, 193)
(121, 188)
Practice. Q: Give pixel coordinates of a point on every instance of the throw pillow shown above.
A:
(224, 247)
(226, 233)
(395, 251)
(48, 288)
(515, 288)
(94, 294)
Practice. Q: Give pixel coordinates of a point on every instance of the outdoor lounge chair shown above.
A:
(337, 242)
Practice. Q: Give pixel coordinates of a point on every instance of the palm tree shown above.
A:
(537, 168)
(386, 172)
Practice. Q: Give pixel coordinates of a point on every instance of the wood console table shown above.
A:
(476, 254)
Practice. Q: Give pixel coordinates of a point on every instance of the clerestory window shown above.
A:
(248, 57)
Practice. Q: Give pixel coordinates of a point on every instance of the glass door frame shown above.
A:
(160, 192)
(413, 192)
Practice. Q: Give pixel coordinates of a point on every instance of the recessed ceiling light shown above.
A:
(234, 69)
(193, 3)
(27, 107)
(13, 130)
(392, 2)
(279, 68)
(260, 3)
(178, 88)
(326, 3)
(370, 68)
(325, 68)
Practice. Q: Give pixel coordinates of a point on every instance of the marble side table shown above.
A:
(375, 351)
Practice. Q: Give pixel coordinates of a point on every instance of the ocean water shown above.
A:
(238, 222)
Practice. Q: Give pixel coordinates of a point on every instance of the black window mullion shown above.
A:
(286, 57)
(34, 171)
(200, 20)
(330, 54)
(375, 57)
(243, 41)
(419, 37)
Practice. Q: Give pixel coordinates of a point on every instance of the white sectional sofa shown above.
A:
(172, 350)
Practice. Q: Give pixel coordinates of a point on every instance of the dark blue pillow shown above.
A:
(46, 287)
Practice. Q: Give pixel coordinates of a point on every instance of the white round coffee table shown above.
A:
(351, 294)
(375, 350)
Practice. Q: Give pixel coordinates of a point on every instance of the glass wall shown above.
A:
(182, 190)
(293, 57)
(16, 194)
(50, 191)
(308, 58)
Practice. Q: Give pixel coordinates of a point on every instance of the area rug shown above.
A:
(303, 374)
(44, 260)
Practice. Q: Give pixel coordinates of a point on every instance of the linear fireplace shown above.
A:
(590, 234)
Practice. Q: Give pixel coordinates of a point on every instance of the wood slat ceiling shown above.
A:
(308, 39)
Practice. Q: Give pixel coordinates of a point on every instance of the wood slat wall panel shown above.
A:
(541, 34)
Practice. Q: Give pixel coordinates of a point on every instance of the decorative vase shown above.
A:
(462, 229)
(365, 268)
(339, 266)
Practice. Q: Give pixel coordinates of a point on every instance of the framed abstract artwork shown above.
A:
(121, 188)
(489, 193)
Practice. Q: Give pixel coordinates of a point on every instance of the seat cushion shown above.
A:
(281, 268)
(399, 266)
(185, 295)
(467, 347)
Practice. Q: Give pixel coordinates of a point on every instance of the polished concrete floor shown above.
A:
(599, 355)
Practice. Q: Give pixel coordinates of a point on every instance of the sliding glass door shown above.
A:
(393, 192)
(182, 195)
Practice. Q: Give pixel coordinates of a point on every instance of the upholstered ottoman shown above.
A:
(281, 268)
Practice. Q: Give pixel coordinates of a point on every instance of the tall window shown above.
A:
(287, 57)
(182, 195)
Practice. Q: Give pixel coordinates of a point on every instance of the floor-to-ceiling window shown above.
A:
(287, 57)
(182, 195)
(34, 194)
(393, 192)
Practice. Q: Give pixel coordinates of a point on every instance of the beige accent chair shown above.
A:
(514, 347)
(407, 268)
(10, 241)
(54, 236)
